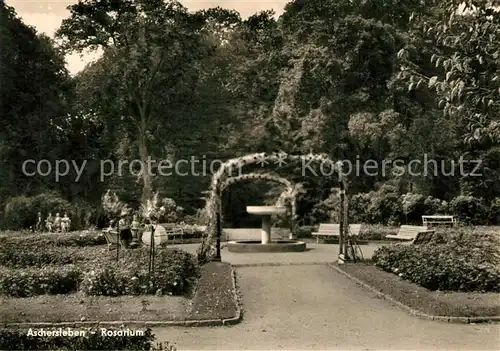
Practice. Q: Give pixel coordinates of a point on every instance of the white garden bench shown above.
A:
(413, 233)
(173, 230)
(438, 220)
(112, 239)
(333, 230)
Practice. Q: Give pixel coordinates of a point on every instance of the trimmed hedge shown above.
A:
(466, 261)
(18, 339)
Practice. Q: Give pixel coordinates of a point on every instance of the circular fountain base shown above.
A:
(273, 246)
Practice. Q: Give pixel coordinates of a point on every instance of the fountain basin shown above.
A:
(272, 246)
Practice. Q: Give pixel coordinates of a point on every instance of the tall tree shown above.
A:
(34, 104)
(151, 48)
(463, 39)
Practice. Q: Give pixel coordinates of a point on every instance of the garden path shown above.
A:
(311, 306)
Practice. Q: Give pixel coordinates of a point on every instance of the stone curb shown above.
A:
(414, 312)
(272, 264)
(185, 323)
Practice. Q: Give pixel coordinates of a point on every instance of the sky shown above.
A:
(46, 16)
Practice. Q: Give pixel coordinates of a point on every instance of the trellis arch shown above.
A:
(287, 198)
(208, 248)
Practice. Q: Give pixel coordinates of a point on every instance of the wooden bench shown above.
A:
(333, 230)
(429, 221)
(413, 233)
(173, 230)
(112, 239)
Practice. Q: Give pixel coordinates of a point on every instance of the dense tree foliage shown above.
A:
(357, 80)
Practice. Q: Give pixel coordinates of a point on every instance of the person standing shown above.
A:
(48, 222)
(39, 225)
(125, 233)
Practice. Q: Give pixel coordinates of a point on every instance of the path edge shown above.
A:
(412, 311)
(184, 323)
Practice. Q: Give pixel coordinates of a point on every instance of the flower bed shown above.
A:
(466, 261)
(175, 273)
(28, 270)
(31, 282)
(74, 239)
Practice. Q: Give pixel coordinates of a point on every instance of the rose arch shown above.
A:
(210, 248)
(287, 198)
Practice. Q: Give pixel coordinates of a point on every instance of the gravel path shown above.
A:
(314, 307)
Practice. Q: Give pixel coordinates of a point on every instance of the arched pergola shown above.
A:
(210, 248)
(287, 198)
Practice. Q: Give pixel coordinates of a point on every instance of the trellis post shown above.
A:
(342, 238)
(218, 257)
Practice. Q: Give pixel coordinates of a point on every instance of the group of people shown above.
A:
(126, 226)
(54, 224)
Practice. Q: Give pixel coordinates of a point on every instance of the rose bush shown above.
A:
(52, 280)
(175, 272)
(466, 261)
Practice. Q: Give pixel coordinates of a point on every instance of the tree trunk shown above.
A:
(147, 186)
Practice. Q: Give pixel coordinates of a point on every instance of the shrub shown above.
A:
(376, 232)
(417, 205)
(17, 339)
(18, 213)
(172, 213)
(433, 206)
(469, 209)
(175, 273)
(194, 230)
(328, 209)
(51, 280)
(305, 231)
(385, 208)
(467, 261)
(358, 208)
(413, 207)
(494, 213)
(21, 211)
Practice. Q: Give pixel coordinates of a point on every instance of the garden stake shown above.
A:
(118, 242)
(151, 249)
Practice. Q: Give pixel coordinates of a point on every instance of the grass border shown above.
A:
(412, 311)
(185, 323)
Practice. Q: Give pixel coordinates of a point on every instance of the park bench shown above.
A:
(111, 236)
(414, 234)
(429, 221)
(333, 230)
(173, 231)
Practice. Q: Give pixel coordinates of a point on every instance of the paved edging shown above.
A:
(458, 320)
(185, 323)
(272, 264)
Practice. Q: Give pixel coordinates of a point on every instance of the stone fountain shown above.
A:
(266, 245)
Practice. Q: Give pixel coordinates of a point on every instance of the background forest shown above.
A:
(354, 79)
